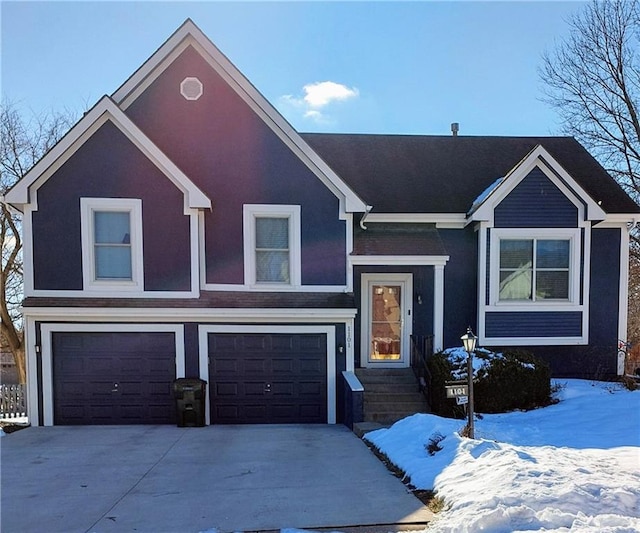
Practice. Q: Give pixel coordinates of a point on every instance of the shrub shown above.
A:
(513, 379)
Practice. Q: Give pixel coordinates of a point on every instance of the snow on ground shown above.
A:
(572, 466)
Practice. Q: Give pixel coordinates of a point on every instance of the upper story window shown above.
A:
(112, 243)
(534, 269)
(272, 245)
(542, 267)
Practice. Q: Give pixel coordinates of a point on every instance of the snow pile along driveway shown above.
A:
(573, 466)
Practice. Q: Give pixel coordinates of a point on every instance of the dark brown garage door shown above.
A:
(268, 378)
(113, 378)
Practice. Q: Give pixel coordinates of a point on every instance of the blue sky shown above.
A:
(392, 67)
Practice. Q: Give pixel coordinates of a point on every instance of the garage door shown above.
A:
(268, 378)
(113, 378)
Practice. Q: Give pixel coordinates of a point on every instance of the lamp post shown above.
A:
(469, 342)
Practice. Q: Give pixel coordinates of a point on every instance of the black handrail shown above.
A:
(421, 350)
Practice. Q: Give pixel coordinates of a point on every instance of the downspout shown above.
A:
(366, 214)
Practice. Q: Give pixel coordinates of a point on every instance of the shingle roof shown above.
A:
(398, 239)
(213, 300)
(444, 174)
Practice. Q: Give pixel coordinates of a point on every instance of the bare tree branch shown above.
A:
(592, 78)
(22, 144)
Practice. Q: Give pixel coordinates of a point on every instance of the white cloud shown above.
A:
(317, 97)
(320, 94)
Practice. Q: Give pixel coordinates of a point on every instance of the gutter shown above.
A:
(366, 214)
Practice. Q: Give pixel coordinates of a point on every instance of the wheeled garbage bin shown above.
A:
(190, 396)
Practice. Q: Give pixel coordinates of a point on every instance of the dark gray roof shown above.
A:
(445, 174)
(398, 239)
(213, 300)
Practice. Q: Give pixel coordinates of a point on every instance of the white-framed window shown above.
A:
(272, 245)
(535, 266)
(112, 243)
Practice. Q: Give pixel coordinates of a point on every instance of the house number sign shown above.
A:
(455, 391)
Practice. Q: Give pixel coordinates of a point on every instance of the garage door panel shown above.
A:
(113, 378)
(271, 378)
(255, 343)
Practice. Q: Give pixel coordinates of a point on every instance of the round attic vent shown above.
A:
(191, 88)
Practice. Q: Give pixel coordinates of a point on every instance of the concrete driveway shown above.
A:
(217, 478)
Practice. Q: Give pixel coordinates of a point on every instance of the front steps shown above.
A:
(390, 394)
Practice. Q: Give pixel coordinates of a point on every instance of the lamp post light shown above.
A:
(469, 342)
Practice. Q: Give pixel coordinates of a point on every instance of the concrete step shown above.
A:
(392, 397)
(405, 388)
(387, 419)
(361, 428)
(385, 375)
(390, 394)
(408, 407)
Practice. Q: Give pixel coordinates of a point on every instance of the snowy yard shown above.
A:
(572, 466)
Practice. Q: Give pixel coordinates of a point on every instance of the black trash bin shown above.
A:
(190, 396)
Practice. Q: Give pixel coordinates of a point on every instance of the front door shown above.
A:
(386, 320)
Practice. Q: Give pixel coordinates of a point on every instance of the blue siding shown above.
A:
(460, 283)
(228, 151)
(108, 165)
(536, 203)
(605, 282)
(534, 324)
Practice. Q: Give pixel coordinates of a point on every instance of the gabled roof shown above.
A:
(483, 206)
(445, 174)
(24, 191)
(190, 35)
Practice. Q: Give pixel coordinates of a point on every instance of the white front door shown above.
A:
(386, 320)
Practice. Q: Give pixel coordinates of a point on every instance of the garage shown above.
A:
(268, 378)
(113, 378)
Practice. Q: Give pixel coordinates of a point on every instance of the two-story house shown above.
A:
(184, 228)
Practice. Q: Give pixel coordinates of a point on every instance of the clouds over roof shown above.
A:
(317, 98)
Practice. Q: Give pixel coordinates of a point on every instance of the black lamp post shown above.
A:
(469, 342)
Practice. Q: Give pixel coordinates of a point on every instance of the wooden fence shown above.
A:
(13, 401)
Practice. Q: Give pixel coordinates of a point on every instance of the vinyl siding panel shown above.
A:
(534, 324)
(605, 282)
(108, 165)
(235, 158)
(536, 203)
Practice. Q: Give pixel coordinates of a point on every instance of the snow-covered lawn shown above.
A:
(572, 466)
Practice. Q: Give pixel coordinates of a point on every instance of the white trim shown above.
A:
(163, 314)
(532, 341)
(623, 291)
(105, 110)
(31, 360)
(398, 260)
(132, 206)
(438, 308)
(190, 35)
(570, 234)
(46, 331)
(405, 280)
(441, 220)
(27, 251)
(195, 251)
(329, 331)
(539, 157)
(229, 287)
(618, 220)
(251, 212)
